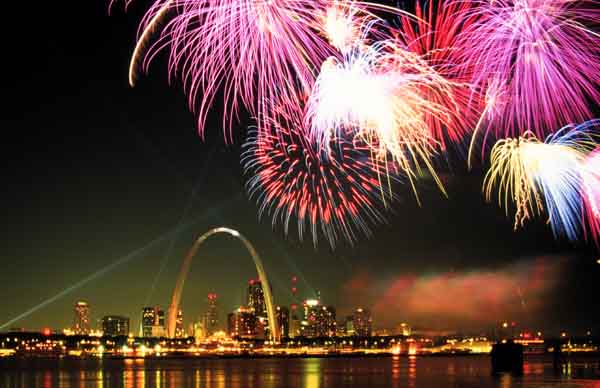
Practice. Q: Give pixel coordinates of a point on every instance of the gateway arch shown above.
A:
(185, 269)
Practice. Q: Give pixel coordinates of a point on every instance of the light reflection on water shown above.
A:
(396, 371)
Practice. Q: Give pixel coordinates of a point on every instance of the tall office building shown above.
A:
(312, 317)
(282, 315)
(81, 321)
(295, 322)
(115, 325)
(319, 320)
(328, 323)
(242, 323)
(362, 322)
(349, 326)
(256, 298)
(149, 316)
(179, 329)
(211, 317)
(153, 322)
(160, 317)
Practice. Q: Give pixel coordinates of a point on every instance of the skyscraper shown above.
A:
(256, 298)
(160, 317)
(282, 314)
(149, 317)
(81, 322)
(242, 323)
(319, 320)
(153, 322)
(328, 323)
(114, 325)
(362, 322)
(312, 312)
(211, 317)
(179, 329)
(349, 326)
(295, 329)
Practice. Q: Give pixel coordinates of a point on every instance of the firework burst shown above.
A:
(591, 194)
(382, 92)
(253, 53)
(339, 195)
(433, 35)
(542, 176)
(539, 55)
(591, 189)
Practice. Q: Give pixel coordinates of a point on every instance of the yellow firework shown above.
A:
(538, 176)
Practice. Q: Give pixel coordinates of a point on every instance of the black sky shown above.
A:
(95, 170)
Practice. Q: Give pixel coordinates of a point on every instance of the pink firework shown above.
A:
(252, 53)
(339, 195)
(539, 55)
(433, 36)
(591, 194)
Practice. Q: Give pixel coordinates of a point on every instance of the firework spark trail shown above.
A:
(591, 184)
(556, 167)
(433, 35)
(338, 195)
(348, 25)
(147, 29)
(254, 53)
(542, 176)
(591, 190)
(540, 54)
(381, 91)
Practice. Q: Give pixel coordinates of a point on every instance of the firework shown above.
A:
(339, 195)
(591, 190)
(382, 92)
(433, 35)
(350, 24)
(542, 176)
(252, 53)
(539, 55)
(147, 28)
(342, 27)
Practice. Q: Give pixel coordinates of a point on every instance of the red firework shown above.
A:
(339, 194)
(433, 35)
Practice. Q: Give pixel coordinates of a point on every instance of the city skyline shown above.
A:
(99, 171)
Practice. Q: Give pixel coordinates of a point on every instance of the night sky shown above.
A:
(95, 170)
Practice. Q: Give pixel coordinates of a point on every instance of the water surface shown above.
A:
(431, 371)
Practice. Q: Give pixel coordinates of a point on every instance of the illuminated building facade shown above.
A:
(148, 319)
(179, 330)
(211, 317)
(295, 323)
(153, 322)
(319, 320)
(256, 298)
(404, 329)
(282, 314)
(256, 302)
(242, 323)
(349, 326)
(362, 322)
(115, 325)
(81, 321)
(199, 331)
(160, 318)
